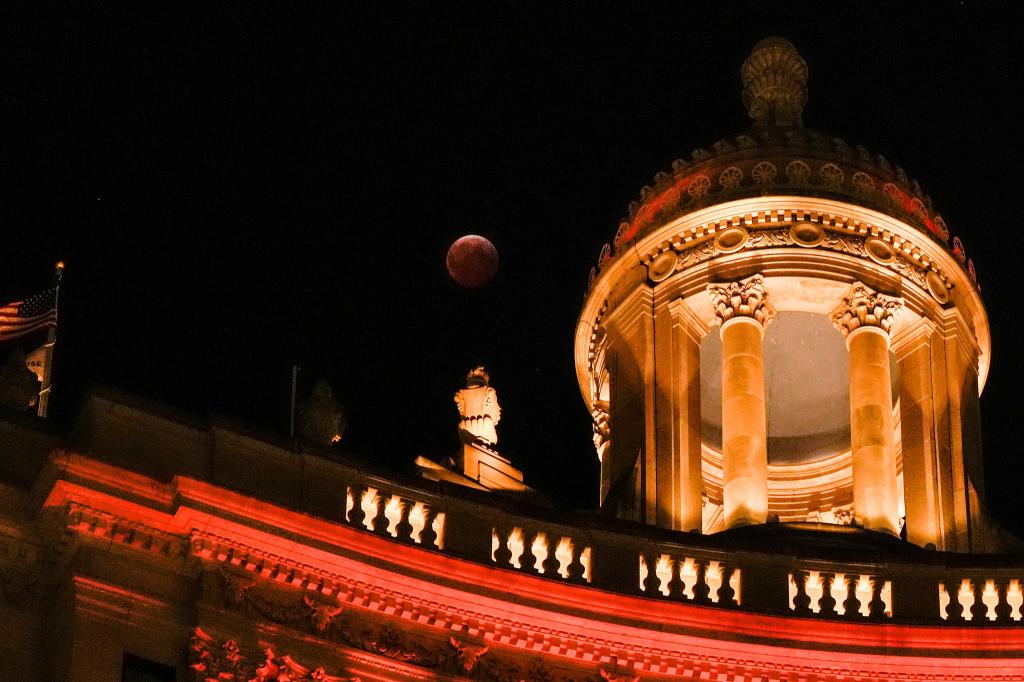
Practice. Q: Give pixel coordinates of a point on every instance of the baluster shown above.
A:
(503, 555)
(726, 595)
(827, 603)
(428, 538)
(851, 605)
(651, 582)
(550, 563)
(979, 610)
(576, 568)
(403, 527)
(380, 521)
(1004, 612)
(676, 586)
(357, 516)
(876, 607)
(955, 611)
(802, 600)
(701, 590)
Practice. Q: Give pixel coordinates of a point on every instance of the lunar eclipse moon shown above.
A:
(472, 261)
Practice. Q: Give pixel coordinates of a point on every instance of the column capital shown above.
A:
(742, 298)
(865, 307)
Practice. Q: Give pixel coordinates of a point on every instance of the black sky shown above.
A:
(237, 186)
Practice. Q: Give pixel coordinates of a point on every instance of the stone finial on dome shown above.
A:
(775, 83)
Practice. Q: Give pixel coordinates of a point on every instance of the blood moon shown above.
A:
(472, 261)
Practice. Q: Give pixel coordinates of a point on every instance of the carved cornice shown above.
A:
(380, 583)
(781, 161)
(407, 645)
(743, 298)
(865, 307)
(882, 249)
(88, 522)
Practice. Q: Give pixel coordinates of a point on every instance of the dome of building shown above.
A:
(778, 225)
(777, 155)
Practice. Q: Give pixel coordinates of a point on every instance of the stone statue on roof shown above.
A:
(321, 417)
(479, 410)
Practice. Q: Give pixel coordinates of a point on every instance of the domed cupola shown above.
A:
(783, 329)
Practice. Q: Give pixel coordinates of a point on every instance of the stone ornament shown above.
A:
(731, 239)
(478, 409)
(662, 266)
(865, 307)
(321, 417)
(937, 288)
(775, 83)
(807, 235)
(743, 298)
(880, 251)
(225, 662)
(469, 653)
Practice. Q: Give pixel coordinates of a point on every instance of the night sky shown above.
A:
(242, 188)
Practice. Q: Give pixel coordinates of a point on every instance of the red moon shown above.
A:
(472, 261)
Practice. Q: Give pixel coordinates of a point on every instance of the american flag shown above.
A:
(24, 317)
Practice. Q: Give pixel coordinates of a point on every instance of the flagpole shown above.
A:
(51, 341)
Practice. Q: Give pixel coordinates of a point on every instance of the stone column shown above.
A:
(865, 318)
(743, 310)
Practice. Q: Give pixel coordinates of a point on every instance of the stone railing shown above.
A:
(840, 592)
(394, 513)
(689, 575)
(926, 588)
(540, 548)
(982, 597)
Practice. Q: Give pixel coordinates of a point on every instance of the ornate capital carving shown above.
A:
(865, 307)
(743, 298)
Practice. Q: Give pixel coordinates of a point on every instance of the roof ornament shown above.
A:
(479, 411)
(321, 417)
(775, 83)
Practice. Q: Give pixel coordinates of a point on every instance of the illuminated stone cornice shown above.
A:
(928, 274)
(323, 571)
(782, 161)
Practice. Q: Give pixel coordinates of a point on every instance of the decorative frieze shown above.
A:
(865, 307)
(215, 661)
(743, 298)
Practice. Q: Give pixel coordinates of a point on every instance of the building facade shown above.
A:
(782, 350)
